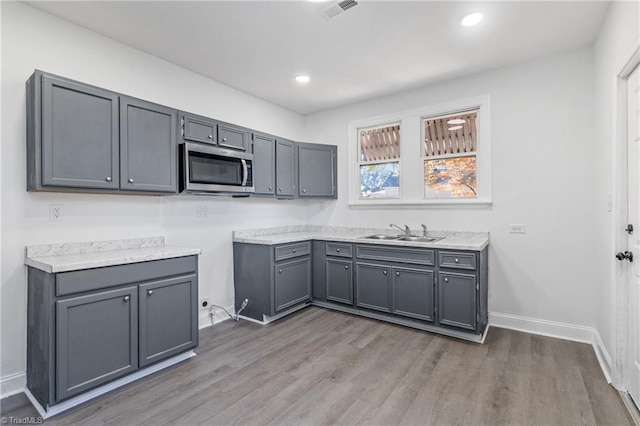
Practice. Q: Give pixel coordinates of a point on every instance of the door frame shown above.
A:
(619, 300)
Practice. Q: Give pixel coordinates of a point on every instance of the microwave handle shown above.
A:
(244, 172)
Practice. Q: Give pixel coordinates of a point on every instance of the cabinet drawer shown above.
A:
(288, 251)
(199, 129)
(111, 276)
(232, 137)
(342, 250)
(452, 259)
(396, 254)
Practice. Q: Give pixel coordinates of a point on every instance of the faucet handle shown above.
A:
(424, 230)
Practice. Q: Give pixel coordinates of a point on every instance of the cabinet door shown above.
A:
(148, 146)
(198, 129)
(413, 293)
(339, 278)
(373, 287)
(292, 283)
(168, 318)
(284, 168)
(457, 300)
(264, 162)
(96, 340)
(316, 170)
(232, 137)
(79, 135)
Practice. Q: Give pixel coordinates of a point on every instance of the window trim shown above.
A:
(411, 156)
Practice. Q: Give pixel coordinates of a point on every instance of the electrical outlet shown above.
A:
(202, 211)
(205, 304)
(517, 229)
(323, 206)
(56, 212)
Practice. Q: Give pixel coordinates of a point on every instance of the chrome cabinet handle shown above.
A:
(280, 189)
(224, 139)
(130, 180)
(397, 274)
(456, 260)
(304, 190)
(210, 136)
(279, 271)
(126, 298)
(446, 280)
(338, 250)
(384, 272)
(270, 188)
(150, 292)
(108, 179)
(294, 250)
(346, 266)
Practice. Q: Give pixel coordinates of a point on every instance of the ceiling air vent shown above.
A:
(335, 9)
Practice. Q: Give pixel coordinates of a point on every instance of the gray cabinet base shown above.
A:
(477, 338)
(49, 411)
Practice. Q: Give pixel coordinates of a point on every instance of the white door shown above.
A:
(633, 268)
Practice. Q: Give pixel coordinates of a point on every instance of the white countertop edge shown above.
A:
(75, 262)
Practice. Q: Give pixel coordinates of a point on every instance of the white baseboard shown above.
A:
(559, 330)
(13, 384)
(205, 319)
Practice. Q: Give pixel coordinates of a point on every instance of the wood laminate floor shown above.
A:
(320, 367)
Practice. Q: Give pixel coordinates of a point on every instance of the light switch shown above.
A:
(517, 229)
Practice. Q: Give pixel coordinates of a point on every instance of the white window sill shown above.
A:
(423, 204)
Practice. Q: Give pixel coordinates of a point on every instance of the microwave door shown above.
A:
(215, 170)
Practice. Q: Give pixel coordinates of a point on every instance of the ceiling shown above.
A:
(375, 48)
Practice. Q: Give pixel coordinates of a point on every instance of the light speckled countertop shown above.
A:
(66, 257)
(475, 241)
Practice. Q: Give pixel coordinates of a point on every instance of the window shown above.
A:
(449, 155)
(444, 157)
(380, 162)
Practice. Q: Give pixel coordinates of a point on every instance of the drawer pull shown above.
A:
(446, 280)
(294, 250)
(338, 250)
(279, 271)
(397, 274)
(346, 266)
(210, 136)
(150, 292)
(126, 298)
(384, 272)
(108, 179)
(456, 260)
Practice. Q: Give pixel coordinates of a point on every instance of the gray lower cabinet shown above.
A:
(285, 168)
(373, 286)
(273, 278)
(413, 293)
(97, 339)
(264, 164)
(89, 327)
(317, 170)
(168, 311)
(339, 281)
(292, 283)
(148, 146)
(457, 300)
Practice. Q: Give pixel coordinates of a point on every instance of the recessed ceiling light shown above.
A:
(455, 128)
(456, 121)
(302, 78)
(471, 19)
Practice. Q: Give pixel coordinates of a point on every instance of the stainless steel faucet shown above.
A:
(407, 230)
(424, 230)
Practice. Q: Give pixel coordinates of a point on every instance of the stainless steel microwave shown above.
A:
(208, 169)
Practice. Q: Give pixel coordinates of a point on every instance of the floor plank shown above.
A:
(323, 367)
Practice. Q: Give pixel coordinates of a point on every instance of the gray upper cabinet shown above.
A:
(285, 168)
(413, 293)
(168, 317)
(148, 146)
(97, 340)
(233, 137)
(194, 128)
(72, 137)
(264, 172)
(317, 171)
(373, 287)
(457, 300)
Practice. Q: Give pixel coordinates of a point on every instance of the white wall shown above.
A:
(543, 157)
(32, 39)
(619, 32)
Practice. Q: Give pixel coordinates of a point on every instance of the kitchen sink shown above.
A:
(418, 238)
(383, 237)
